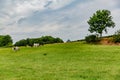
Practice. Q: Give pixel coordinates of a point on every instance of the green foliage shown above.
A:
(5, 40)
(47, 39)
(58, 40)
(116, 37)
(22, 42)
(42, 40)
(91, 39)
(100, 21)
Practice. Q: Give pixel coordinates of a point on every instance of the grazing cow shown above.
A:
(36, 44)
(16, 48)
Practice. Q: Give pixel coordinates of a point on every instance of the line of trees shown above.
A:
(42, 40)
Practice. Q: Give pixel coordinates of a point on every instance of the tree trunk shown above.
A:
(100, 35)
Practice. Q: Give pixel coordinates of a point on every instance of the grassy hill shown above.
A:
(68, 61)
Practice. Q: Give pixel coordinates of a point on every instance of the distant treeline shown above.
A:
(5, 40)
(42, 40)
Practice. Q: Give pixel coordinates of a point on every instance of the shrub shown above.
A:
(116, 37)
(91, 39)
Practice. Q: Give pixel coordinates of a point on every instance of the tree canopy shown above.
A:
(5, 40)
(100, 21)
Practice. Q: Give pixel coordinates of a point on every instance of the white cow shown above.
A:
(16, 48)
(36, 44)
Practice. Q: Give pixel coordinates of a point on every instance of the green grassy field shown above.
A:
(69, 61)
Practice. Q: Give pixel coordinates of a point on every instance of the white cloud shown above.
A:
(17, 9)
(59, 3)
(65, 19)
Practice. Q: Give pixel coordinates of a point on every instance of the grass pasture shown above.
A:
(68, 61)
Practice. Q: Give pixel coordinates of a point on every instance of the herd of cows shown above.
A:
(16, 48)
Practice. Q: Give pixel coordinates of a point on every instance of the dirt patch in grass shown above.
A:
(108, 41)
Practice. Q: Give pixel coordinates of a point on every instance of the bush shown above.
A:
(91, 39)
(116, 37)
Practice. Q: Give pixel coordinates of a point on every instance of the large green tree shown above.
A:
(100, 21)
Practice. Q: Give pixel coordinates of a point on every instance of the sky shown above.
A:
(66, 19)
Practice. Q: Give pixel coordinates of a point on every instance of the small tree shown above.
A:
(5, 40)
(100, 21)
